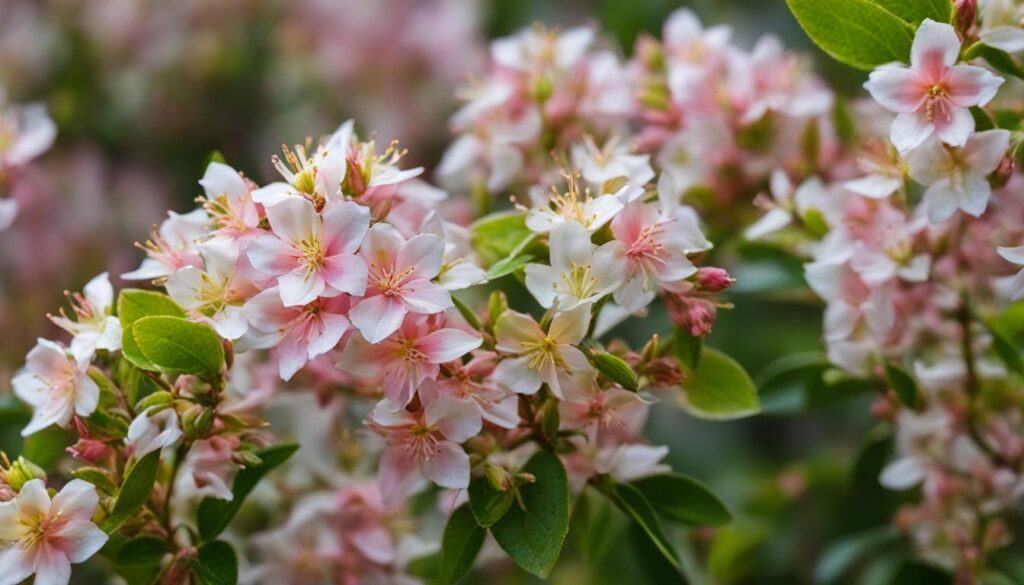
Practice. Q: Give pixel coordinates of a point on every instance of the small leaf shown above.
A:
(216, 564)
(134, 304)
(488, 504)
(105, 426)
(495, 236)
(597, 525)
(999, 60)
(533, 536)
(688, 348)
(840, 556)
(136, 489)
(684, 499)
(97, 477)
(215, 514)
(860, 33)
(633, 502)
(144, 550)
(719, 388)
(459, 546)
(902, 384)
(508, 265)
(1006, 351)
(467, 313)
(178, 346)
(615, 369)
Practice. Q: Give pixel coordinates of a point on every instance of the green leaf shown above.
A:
(215, 514)
(782, 385)
(860, 33)
(719, 388)
(459, 546)
(834, 385)
(533, 536)
(687, 347)
(144, 550)
(508, 265)
(97, 477)
(216, 564)
(134, 304)
(136, 489)
(902, 384)
(999, 60)
(915, 11)
(732, 551)
(597, 526)
(684, 499)
(1006, 351)
(106, 426)
(615, 369)
(488, 504)
(466, 312)
(633, 502)
(495, 236)
(840, 556)
(178, 346)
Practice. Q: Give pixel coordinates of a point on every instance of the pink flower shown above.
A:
(311, 255)
(600, 413)
(474, 382)
(300, 332)
(934, 94)
(25, 132)
(56, 385)
(408, 357)
(399, 281)
(229, 201)
(216, 292)
(43, 536)
(424, 442)
(93, 326)
(172, 246)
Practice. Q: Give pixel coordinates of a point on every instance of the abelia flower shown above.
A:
(885, 171)
(1015, 255)
(539, 50)
(599, 413)
(216, 292)
(44, 537)
(613, 162)
(26, 131)
(228, 201)
(424, 442)
(578, 273)
(399, 282)
(56, 385)
(172, 246)
(957, 177)
(315, 176)
(549, 357)
(474, 382)
(631, 462)
(408, 357)
(299, 332)
(151, 431)
(577, 206)
(209, 468)
(93, 326)
(1001, 25)
(812, 202)
(934, 94)
(313, 255)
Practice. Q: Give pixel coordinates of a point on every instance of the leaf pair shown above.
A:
(157, 336)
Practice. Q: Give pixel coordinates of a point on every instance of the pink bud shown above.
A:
(712, 279)
(695, 315)
(89, 450)
(964, 19)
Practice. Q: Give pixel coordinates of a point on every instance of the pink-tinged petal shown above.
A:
(220, 179)
(345, 225)
(345, 273)
(377, 317)
(397, 474)
(32, 499)
(935, 47)
(17, 565)
(874, 186)
(957, 129)
(570, 327)
(448, 466)
(897, 89)
(514, 329)
(292, 355)
(381, 245)
(969, 85)
(1012, 254)
(609, 267)
(272, 255)
(294, 220)
(424, 254)
(909, 130)
(334, 327)
(274, 193)
(11, 527)
(80, 540)
(299, 287)
(425, 297)
(55, 411)
(929, 162)
(504, 413)
(675, 266)
(941, 201)
(375, 544)
(1004, 38)
(386, 416)
(359, 358)
(186, 286)
(401, 379)
(30, 389)
(265, 311)
(575, 360)
(77, 500)
(516, 375)
(985, 150)
(445, 345)
(570, 245)
(542, 281)
(632, 295)
(773, 221)
(458, 420)
(974, 194)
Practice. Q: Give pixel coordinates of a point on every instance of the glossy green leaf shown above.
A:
(179, 346)
(632, 501)
(496, 236)
(134, 304)
(687, 347)
(216, 564)
(144, 550)
(488, 504)
(135, 490)
(902, 384)
(860, 33)
(719, 388)
(100, 478)
(460, 544)
(840, 556)
(684, 499)
(615, 369)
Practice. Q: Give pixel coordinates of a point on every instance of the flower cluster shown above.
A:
(25, 133)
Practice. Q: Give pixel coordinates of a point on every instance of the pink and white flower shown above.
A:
(310, 175)
(424, 442)
(578, 273)
(44, 537)
(811, 197)
(540, 50)
(172, 246)
(1001, 25)
(56, 386)
(93, 326)
(216, 292)
(934, 94)
(549, 357)
(151, 431)
(26, 131)
(1015, 255)
(411, 355)
(310, 255)
(957, 177)
(229, 202)
(613, 161)
(399, 282)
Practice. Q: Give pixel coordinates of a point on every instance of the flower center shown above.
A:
(422, 442)
(543, 354)
(312, 256)
(579, 282)
(389, 281)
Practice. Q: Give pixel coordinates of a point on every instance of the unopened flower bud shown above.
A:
(196, 422)
(245, 458)
(90, 450)
(1003, 172)
(712, 279)
(21, 472)
(965, 16)
(664, 372)
(695, 315)
(498, 477)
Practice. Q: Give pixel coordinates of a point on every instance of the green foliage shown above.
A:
(840, 556)
(488, 504)
(718, 388)
(902, 384)
(97, 477)
(216, 564)
(215, 514)
(615, 369)
(687, 347)
(142, 551)
(783, 385)
(135, 490)
(533, 534)
(683, 499)
(498, 235)
(134, 304)
(466, 312)
(460, 544)
(866, 33)
(179, 346)
(632, 501)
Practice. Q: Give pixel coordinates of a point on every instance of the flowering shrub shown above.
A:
(430, 378)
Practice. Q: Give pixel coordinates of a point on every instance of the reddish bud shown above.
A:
(695, 315)
(965, 16)
(712, 279)
(89, 450)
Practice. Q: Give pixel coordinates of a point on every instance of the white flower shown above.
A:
(1001, 28)
(56, 386)
(93, 326)
(578, 273)
(149, 432)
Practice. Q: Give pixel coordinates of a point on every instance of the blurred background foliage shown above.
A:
(141, 110)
